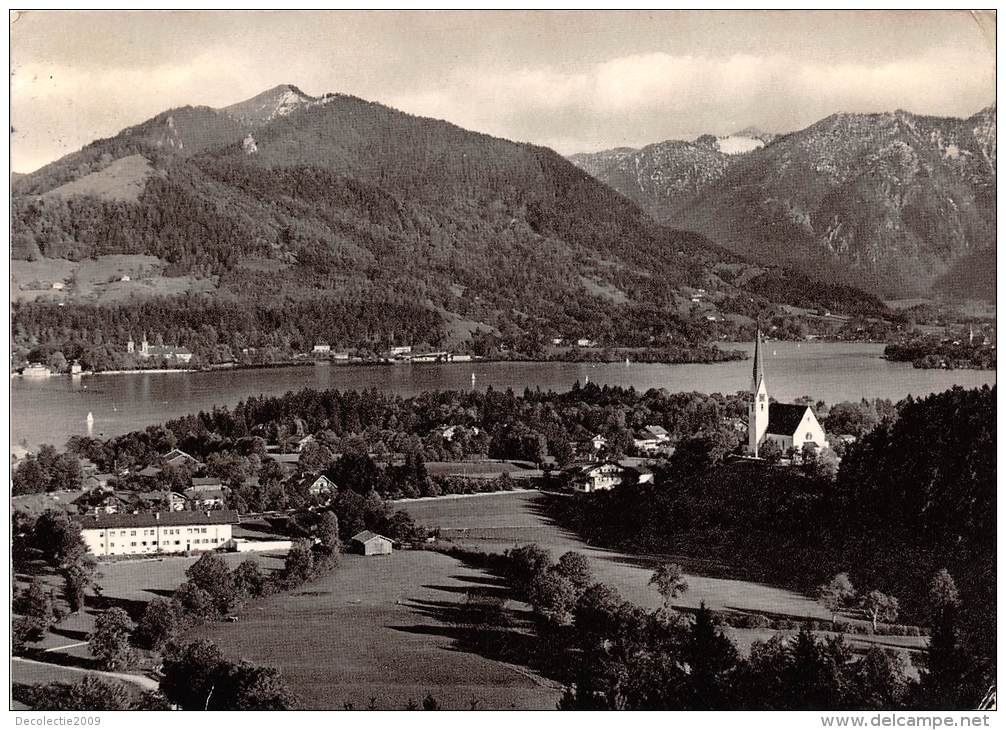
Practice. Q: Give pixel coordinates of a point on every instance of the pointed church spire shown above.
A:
(758, 371)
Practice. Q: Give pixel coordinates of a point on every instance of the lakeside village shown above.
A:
(177, 504)
(175, 358)
(947, 350)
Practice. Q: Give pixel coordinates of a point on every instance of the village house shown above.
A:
(300, 442)
(203, 498)
(322, 487)
(177, 457)
(36, 370)
(788, 425)
(321, 349)
(597, 477)
(448, 433)
(156, 532)
(598, 442)
(98, 481)
(370, 543)
(604, 475)
(205, 484)
(652, 440)
(400, 350)
(100, 502)
(155, 500)
(288, 462)
(159, 352)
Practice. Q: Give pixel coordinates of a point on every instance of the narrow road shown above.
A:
(139, 680)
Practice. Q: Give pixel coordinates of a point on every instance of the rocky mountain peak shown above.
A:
(279, 101)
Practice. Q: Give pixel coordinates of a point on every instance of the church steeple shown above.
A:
(759, 410)
(758, 371)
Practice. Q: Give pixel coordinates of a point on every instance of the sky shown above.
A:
(574, 81)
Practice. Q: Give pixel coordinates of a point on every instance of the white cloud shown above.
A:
(632, 99)
(635, 97)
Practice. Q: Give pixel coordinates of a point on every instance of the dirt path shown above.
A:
(139, 680)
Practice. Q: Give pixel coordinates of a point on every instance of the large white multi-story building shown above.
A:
(156, 532)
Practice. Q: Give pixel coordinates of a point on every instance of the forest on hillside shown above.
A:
(916, 494)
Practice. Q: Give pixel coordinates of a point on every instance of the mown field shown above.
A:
(377, 628)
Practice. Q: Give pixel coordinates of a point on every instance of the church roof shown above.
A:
(783, 418)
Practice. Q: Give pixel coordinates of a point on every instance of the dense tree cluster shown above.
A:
(915, 494)
(932, 352)
(612, 654)
(216, 331)
(46, 471)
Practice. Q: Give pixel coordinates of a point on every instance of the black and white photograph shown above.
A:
(503, 360)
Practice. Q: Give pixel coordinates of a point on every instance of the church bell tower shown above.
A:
(758, 410)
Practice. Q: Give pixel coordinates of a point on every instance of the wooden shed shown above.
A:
(370, 543)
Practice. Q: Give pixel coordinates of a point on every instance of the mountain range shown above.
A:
(899, 203)
(291, 198)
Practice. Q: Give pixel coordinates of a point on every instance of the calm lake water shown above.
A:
(50, 411)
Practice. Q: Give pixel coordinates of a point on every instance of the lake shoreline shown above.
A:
(51, 410)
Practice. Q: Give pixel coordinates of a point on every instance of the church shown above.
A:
(789, 425)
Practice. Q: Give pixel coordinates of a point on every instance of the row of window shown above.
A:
(176, 531)
(155, 543)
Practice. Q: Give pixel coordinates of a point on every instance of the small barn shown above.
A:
(370, 543)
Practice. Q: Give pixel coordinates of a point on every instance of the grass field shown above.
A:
(373, 628)
(495, 522)
(381, 627)
(99, 280)
(124, 180)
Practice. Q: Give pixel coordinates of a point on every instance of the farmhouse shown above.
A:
(657, 433)
(370, 543)
(317, 486)
(598, 477)
(789, 425)
(157, 532)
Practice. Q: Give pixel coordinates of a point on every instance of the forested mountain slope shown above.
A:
(338, 199)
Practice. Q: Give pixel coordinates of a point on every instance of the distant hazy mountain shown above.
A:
(900, 203)
(337, 196)
(661, 176)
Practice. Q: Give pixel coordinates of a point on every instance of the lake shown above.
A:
(52, 410)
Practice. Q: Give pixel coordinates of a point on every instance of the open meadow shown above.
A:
(377, 628)
(384, 631)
